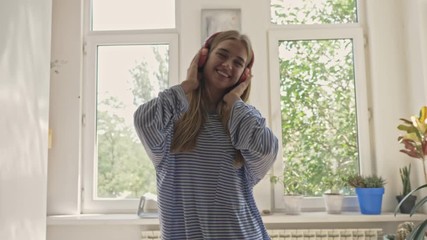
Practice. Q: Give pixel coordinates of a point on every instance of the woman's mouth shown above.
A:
(224, 74)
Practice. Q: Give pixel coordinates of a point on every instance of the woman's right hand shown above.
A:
(193, 75)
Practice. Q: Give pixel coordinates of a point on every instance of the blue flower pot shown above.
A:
(370, 200)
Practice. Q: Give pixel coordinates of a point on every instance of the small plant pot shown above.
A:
(389, 237)
(333, 202)
(370, 200)
(408, 204)
(292, 204)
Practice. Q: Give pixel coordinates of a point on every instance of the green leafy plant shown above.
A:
(415, 137)
(405, 173)
(359, 181)
(334, 183)
(290, 187)
(418, 232)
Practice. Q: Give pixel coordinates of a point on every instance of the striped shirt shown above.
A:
(201, 194)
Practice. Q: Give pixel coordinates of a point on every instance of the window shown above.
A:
(128, 60)
(319, 97)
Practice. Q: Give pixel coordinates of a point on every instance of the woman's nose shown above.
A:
(228, 64)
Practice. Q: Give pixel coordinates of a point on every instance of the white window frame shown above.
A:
(93, 39)
(319, 32)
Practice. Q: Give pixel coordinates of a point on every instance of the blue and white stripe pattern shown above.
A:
(201, 194)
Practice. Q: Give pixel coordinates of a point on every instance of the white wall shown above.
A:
(65, 108)
(414, 44)
(388, 90)
(24, 103)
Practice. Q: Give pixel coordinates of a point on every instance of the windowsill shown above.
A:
(344, 217)
(275, 218)
(100, 219)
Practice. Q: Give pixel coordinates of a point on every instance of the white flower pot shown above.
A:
(333, 203)
(293, 204)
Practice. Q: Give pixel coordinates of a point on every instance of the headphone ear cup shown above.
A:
(202, 60)
(207, 44)
(244, 75)
(247, 70)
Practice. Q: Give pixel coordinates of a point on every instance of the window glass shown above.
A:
(132, 14)
(127, 76)
(318, 114)
(313, 11)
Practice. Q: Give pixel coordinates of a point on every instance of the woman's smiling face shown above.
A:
(225, 64)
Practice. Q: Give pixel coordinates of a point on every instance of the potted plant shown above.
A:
(333, 198)
(415, 137)
(402, 232)
(369, 191)
(419, 231)
(407, 206)
(292, 194)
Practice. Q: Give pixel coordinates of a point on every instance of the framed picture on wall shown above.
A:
(215, 20)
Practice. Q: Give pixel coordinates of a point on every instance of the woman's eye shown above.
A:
(221, 55)
(238, 63)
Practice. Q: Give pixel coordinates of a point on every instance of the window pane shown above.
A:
(318, 107)
(127, 76)
(132, 14)
(313, 11)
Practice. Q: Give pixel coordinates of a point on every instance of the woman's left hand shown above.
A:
(193, 75)
(235, 93)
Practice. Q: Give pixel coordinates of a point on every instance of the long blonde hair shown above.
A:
(188, 127)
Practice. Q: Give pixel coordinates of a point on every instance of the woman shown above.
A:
(208, 146)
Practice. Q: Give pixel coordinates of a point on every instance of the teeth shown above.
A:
(222, 74)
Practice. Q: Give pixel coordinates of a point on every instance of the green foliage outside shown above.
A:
(318, 105)
(313, 11)
(124, 169)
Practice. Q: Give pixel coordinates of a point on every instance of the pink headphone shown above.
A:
(207, 45)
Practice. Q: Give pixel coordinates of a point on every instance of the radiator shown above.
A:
(150, 235)
(306, 234)
(317, 234)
